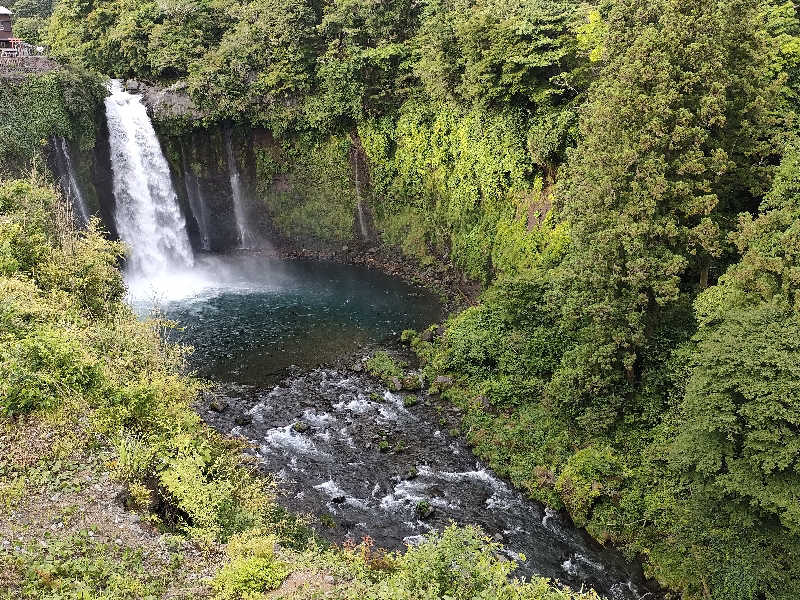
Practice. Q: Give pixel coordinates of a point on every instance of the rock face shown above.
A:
(172, 102)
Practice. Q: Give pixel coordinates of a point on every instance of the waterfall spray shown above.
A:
(147, 214)
(69, 181)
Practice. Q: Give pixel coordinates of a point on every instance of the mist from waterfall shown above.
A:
(247, 239)
(147, 213)
(68, 180)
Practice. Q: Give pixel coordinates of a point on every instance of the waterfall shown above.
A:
(197, 202)
(147, 214)
(69, 181)
(362, 218)
(246, 237)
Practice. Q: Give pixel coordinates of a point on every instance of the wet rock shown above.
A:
(218, 406)
(411, 474)
(498, 537)
(412, 382)
(338, 499)
(426, 336)
(301, 427)
(132, 85)
(395, 384)
(242, 419)
(357, 367)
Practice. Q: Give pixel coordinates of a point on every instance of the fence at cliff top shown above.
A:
(21, 66)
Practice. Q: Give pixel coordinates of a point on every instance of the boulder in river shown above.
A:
(412, 382)
(243, 419)
(218, 406)
(425, 510)
(300, 427)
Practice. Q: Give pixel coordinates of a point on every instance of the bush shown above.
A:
(253, 568)
(590, 473)
(383, 366)
(457, 563)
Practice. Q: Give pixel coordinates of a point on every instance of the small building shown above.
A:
(6, 17)
(9, 45)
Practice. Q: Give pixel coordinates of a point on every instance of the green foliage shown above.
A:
(588, 163)
(30, 29)
(262, 67)
(39, 368)
(587, 476)
(82, 567)
(314, 198)
(383, 366)
(67, 337)
(366, 67)
(495, 51)
(662, 165)
(447, 178)
(34, 109)
(253, 569)
(457, 563)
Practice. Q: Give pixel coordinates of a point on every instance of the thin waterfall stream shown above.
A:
(68, 179)
(284, 342)
(247, 239)
(197, 202)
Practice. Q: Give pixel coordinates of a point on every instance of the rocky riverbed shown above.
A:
(364, 461)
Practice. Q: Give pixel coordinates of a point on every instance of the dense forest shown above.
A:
(622, 178)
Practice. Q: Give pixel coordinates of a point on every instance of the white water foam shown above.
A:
(287, 439)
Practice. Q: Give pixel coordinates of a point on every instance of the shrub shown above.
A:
(253, 568)
(382, 365)
(457, 563)
(39, 369)
(590, 474)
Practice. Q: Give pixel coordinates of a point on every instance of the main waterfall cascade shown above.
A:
(68, 180)
(147, 213)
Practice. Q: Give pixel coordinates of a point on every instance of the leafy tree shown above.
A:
(495, 51)
(739, 439)
(670, 126)
(367, 67)
(263, 66)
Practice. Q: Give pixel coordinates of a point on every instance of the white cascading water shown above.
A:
(147, 213)
(69, 181)
(246, 237)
